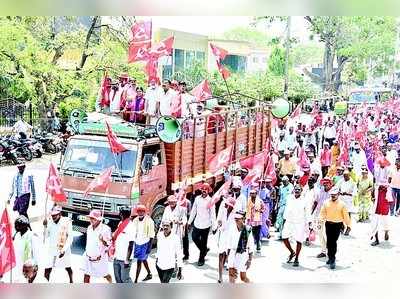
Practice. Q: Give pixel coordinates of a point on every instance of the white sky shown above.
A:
(216, 25)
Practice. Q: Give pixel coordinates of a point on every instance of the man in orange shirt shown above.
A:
(334, 213)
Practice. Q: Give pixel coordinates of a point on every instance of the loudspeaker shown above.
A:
(280, 108)
(76, 117)
(168, 129)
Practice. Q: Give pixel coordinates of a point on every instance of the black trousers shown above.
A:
(332, 235)
(200, 238)
(185, 243)
(165, 275)
(255, 230)
(324, 170)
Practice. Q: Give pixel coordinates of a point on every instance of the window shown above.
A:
(235, 62)
(190, 58)
(179, 60)
(151, 157)
(166, 72)
(201, 56)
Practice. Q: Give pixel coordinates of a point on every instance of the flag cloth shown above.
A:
(141, 41)
(256, 171)
(53, 185)
(181, 196)
(164, 48)
(220, 159)
(101, 182)
(202, 91)
(151, 69)
(176, 105)
(115, 145)
(296, 112)
(270, 169)
(303, 159)
(223, 190)
(7, 253)
(220, 55)
(105, 91)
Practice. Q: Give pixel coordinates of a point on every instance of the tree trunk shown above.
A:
(329, 56)
(85, 55)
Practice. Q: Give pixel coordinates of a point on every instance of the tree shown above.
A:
(307, 54)
(349, 39)
(248, 35)
(276, 62)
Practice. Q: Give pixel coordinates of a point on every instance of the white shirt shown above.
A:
(381, 175)
(290, 140)
(28, 240)
(53, 235)
(392, 156)
(203, 216)
(140, 236)
(169, 251)
(358, 160)
(179, 214)
(232, 244)
(282, 145)
(94, 247)
(347, 187)
(315, 166)
(226, 221)
(187, 99)
(166, 102)
(122, 242)
(296, 210)
(152, 96)
(330, 132)
(241, 203)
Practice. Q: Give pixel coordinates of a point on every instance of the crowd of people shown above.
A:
(328, 174)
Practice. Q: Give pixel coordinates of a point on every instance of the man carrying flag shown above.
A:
(59, 240)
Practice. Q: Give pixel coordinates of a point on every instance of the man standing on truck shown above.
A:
(152, 102)
(98, 240)
(143, 231)
(166, 98)
(203, 217)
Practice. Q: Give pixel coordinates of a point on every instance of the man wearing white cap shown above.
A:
(98, 239)
(58, 240)
(348, 191)
(334, 213)
(241, 199)
(225, 221)
(177, 215)
(240, 249)
(297, 220)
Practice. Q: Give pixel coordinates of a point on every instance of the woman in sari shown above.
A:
(365, 187)
(134, 107)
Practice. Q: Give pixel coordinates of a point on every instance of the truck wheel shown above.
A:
(156, 215)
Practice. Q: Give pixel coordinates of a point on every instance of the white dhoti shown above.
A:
(240, 261)
(51, 261)
(379, 222)
(95, 268)
(348, 201)
(297, 231)
(222, 242)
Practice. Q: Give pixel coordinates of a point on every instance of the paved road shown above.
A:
(357, 261)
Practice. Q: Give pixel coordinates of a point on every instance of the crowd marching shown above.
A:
(321, 177)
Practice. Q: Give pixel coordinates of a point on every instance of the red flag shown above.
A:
(115, 145)
(220, 160)
(101, 182)
(202, 91)
(164, 48)
(220, 55)
(105, 91)
(141, 41)
(218, 52)
(176, 105)
(53, 185)
(296, 112)
(221, 191)
(7, 253)
(270, 169)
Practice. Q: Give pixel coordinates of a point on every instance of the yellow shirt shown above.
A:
(287, 167)
(335, 211)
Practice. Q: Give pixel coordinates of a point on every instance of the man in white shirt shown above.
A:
(187, 101)
(296, 217)
(241, 199)
(58, 240)
(122, 239)
(98, 238)
(315, 165)
(240, 245)
(348, 190)
(169, 253)
(118, 94)
(152, 102)
(167, 96)
(391, 154)
(177, 215)
(143, 230)
(290, 139)
(358, 159)
(330, 133)
(203, 217)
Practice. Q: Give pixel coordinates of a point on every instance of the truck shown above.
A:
(150, 170)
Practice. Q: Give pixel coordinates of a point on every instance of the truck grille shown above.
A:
(95, 204)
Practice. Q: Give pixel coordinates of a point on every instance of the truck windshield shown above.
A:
(94, 156)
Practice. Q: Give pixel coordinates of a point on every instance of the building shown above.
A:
(189, 48)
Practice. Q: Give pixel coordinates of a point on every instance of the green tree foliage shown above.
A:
(276, 62)
(247, 34)
(302, 54)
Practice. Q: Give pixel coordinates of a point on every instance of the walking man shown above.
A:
(240, 249)
(98, 236)
(169, 253)
(334, 213)
(203, 217)
(296, 223)
(58, 240)
(255, 209)
(121, 239)
(143, 231)
(348, 190)
(23, 188)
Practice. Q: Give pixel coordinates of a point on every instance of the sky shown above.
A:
(215, 26)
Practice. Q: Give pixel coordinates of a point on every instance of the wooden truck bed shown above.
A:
(188, 157)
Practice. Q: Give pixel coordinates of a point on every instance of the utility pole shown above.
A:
(287, 45)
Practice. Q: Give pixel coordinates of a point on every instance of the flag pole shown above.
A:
(227, 88)
(45, 217)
